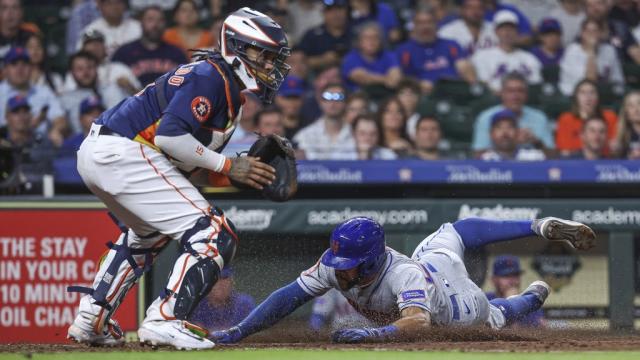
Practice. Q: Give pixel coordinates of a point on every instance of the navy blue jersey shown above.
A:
(147, 64)
(202, 100)
(433, 61)
(318, 41)
(545, 59)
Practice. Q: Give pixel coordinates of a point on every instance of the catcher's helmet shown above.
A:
(357, 242)
(249, 28)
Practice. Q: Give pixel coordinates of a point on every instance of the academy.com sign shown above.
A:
(610, 216)
(499, 212)
(250, 219)
(384, 217)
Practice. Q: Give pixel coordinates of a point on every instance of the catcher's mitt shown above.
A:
(277, 152)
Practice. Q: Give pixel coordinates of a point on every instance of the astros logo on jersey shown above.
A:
(201, 108)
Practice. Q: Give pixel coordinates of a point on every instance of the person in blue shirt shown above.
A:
(325, 45)
(534, 127)
(224, 306)
(150, 56)
(507, 276)
(363, 11)
(429, 58)
(550, 50)
(525, 32)
(369, 63)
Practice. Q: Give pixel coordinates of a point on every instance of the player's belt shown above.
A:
(104, 130)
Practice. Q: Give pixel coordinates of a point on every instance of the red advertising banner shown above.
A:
(41, 253)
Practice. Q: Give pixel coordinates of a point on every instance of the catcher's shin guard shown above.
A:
(207, 249)
(126, 261)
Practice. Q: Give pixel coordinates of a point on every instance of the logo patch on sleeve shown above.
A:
(201, 108)
(413, 294)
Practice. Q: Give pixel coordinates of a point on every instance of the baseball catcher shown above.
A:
(405, 295)
(141, 158)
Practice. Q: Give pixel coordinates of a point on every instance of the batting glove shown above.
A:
(352, 336)
(228, 336)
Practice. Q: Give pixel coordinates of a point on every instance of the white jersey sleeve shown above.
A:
(317, 280)
(410, 287)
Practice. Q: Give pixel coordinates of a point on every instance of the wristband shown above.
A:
(226, 167)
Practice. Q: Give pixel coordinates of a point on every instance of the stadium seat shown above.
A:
(459, 91)
(611, 95)
(551, 74)
(632, 75)
(456, 120)
(377, 93)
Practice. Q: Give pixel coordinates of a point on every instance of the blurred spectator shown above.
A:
(329, 137)
(393, 120)
(187, 34)
(113, 25)
(83, 69)
(40, 72)
(303, 15)
(506, 282)
(628, 136)
(589, 58)
(471, 31)
(409, 96)
(428, 138)
(504, 140)
(165, 5)
(224, 306)
(368, 63)
(289, 100)
(493, 63)
(444, 10)
(90, 109)
(109, 72)
(524, 32)
(13, 30)
(626, 11)
(550, 50)
(298, 62)
(326, 44)
(534, 10)
(46, 110)
(594, 140)
(570, 14)
(269, 121)
(243, 136)
(333, 310)
(533, 126)
(363, 11)
(585, 105)
(83, 13)
(428, 58)
(368, 144)
(150, 57)
(35, 151)
(357, 105)
(615, 32)
(311, 103)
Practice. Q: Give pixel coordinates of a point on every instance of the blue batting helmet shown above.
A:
(357, 242)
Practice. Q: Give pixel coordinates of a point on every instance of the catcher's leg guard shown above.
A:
(120, 269)
(207, 248)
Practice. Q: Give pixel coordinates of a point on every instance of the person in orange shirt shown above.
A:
(187, 34)
(585, 105)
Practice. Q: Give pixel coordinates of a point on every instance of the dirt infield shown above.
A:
(436, 340)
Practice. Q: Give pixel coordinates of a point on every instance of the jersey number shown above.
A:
(177, 79)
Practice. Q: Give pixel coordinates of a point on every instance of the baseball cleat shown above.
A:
(540, 289)
(579, 235)
(111, 336)
(180, 334)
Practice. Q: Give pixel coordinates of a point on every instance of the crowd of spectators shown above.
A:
(363, 75)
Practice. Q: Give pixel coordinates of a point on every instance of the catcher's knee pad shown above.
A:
(126, 261)
(207, 249)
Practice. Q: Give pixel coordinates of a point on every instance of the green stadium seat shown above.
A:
(611, 95)
(632, 75)
(551, 74)
(377, 93)
(459, 91)
(456, 120)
